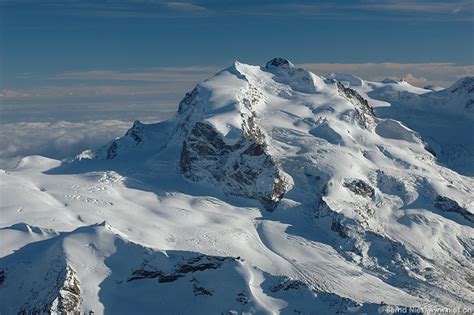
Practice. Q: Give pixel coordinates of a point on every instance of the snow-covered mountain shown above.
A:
(443, 118)
(271, 190)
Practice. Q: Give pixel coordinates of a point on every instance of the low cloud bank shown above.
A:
(55, 140)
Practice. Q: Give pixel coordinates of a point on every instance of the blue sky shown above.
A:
(152, 51)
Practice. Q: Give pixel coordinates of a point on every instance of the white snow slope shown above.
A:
(272, 190)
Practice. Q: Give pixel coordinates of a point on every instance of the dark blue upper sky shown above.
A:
(80, 35)
(43, 39)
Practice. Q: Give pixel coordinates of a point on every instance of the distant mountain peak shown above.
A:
(465, 84)
(392, 80)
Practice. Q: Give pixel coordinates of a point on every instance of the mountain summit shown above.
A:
(292, 187)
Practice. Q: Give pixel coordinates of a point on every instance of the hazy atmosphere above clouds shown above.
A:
(120, 60)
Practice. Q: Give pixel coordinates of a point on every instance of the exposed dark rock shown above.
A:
(243, 169)
(251, 130)
(360, 187)
(288, 284)
(194, 264)
(201, 267)
(429, 149)
(70, 294)
(242, 298)
(252, 97)
(136, 132)
(142, 274)
(323, 210)
(447, 204)
(279, 63)
(365, 113)
(255, 150)
(151, 274)
(169, 278)
(112, 151)
(199, 290)
(338, 227)
(2, 276)
(64, 297)
(187, 101)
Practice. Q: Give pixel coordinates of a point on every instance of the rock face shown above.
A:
(365, 113)
(133, 138)
(360, 187)
(63, 297)
(69, 295)
(136, 132)
(191, 265)
(112, 151)
(279, 63)
(447, 204)
(244, 169)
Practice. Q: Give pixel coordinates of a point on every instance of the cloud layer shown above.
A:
(56, 140)
(170, 83)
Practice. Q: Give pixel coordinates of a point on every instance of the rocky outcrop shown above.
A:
(364, 112)
(112, 151)
(133, 137)
(136, 132)
(360, 187)
(139, 141)
(193, 264)
(188, 100)
(288, 284)
(188, 110)
(69, 295)
(200, 290)
(243, 169)
(281, 63)
(63, 298)
(449, 205)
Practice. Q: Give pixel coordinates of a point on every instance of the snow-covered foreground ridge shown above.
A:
(271, 190)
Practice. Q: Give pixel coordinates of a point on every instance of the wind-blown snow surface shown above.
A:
(271, 190)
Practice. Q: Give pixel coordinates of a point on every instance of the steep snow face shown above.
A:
(328, 199)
